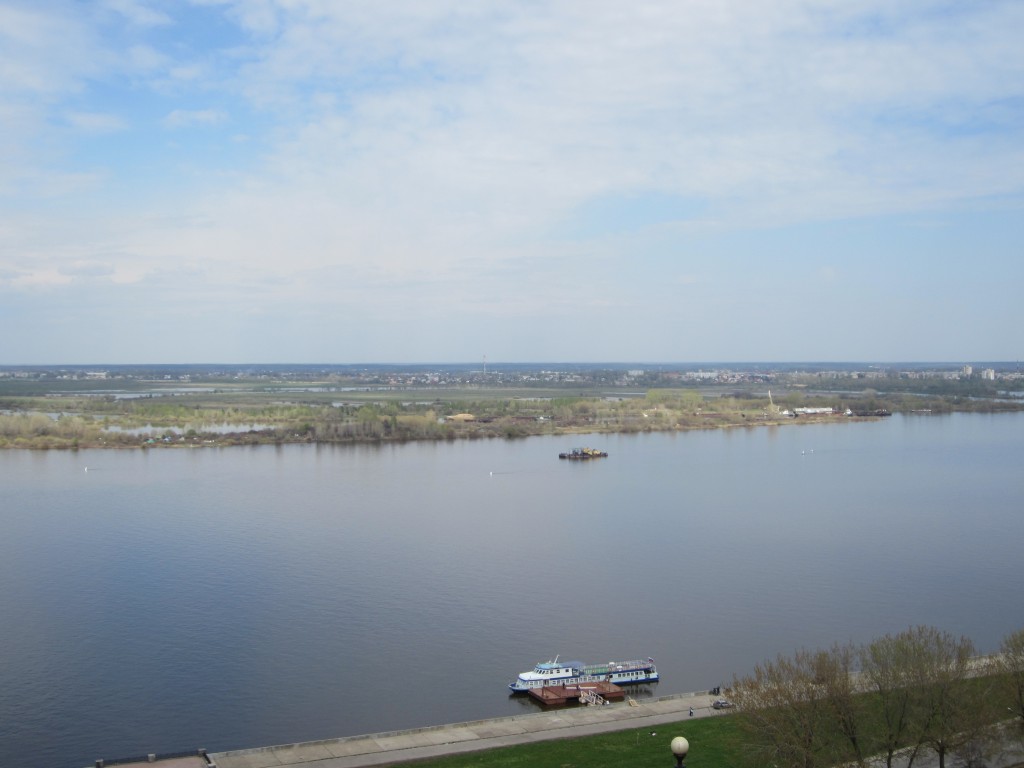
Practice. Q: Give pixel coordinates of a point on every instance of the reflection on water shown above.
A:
(226, 598)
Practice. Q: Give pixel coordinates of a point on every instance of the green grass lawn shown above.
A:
(715, 742)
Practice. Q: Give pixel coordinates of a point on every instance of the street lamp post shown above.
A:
(680, 746)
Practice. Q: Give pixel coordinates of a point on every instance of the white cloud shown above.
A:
(96, 122)
(471, 127)
(429, 154)
(44, 53)
(258, 17)
(191, 72)
(37, 278)
(141, 59)
(718, 100)
(138, 13)
(184, 118)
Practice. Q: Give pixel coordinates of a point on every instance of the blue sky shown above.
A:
(576, 180)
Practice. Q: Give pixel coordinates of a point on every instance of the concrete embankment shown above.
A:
(381, 749)
(437, 741)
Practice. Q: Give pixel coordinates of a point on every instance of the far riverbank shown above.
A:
(59, 437)
(221, 419)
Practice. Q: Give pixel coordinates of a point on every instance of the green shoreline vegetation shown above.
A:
(75, 413)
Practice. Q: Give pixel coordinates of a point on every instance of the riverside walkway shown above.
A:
(380, 749)
(438, 741)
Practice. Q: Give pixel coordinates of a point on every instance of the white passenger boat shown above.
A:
(557, 672)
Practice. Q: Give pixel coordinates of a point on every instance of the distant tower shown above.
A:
(485, 365)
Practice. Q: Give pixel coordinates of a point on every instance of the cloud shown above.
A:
(476, 127)
(96, 122)
(142, 59)
(489, 160)
(36, 278)
(768, 112)
(183, 118)
(32, 64)
(138, 13)
(88, 269)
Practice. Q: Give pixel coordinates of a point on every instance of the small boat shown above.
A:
(555, 672)
(583, 453)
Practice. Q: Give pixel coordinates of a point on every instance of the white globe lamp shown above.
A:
(680, 746)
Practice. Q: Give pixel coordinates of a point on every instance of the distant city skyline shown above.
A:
(233, 181)
(499, 368)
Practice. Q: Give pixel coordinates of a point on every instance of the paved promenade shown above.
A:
(437, 741)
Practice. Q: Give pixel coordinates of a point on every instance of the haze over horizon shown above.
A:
(234, 180)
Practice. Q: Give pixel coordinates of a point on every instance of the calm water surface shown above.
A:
(175, 599)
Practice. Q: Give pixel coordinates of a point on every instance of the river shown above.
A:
(170, 599)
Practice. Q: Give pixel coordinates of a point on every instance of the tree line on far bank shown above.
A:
(916, 692)
(185, 419)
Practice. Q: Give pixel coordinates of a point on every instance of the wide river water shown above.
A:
(170, 599)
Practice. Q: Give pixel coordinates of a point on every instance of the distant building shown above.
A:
(989, 374)
(967, 371)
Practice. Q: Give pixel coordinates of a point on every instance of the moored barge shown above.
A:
(583, 453)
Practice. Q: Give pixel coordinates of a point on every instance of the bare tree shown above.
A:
(920, 677)
(1010, 666)
(954, 707)
(836, 674)
(894, 670)
(800, 711)
(921, 689)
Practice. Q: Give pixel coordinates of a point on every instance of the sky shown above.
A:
(293, 181)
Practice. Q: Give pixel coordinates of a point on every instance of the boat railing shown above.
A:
(618, 666)
(524, 684)
(591, 698)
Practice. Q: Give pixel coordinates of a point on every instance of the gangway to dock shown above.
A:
(591, 698)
